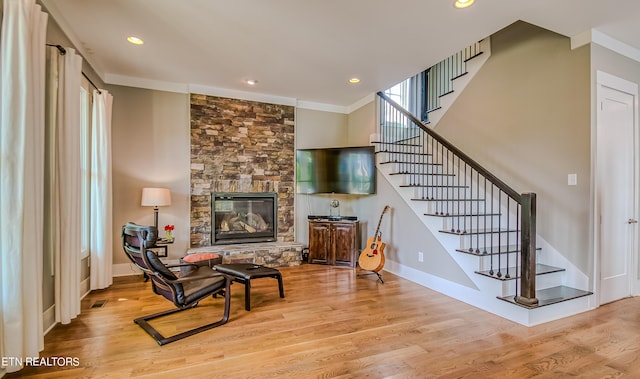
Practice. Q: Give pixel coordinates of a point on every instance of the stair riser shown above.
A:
(399, 134)
(415, 168)
(451, 207)
(470, 223)
(502, 260)
(456, 191)
(427, 180)
(401, 153)
(542, 282)
(448, 187)
(480, 241)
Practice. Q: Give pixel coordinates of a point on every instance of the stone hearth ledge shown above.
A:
(269, 254)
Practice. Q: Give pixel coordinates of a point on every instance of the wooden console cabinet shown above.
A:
(333, 242)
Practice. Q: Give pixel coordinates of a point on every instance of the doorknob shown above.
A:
(632, 221)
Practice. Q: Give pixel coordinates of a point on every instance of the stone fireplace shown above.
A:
(240, 146)
(244, 217)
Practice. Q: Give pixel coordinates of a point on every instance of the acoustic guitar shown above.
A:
(372, 257)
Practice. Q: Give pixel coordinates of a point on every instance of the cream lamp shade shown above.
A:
(155, 197)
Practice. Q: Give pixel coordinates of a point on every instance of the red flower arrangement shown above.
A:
(168, 232)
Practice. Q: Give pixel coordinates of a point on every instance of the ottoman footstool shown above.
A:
(244, 272)
(196, 260)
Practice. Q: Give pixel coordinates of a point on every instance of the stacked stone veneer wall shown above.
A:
(240, 146)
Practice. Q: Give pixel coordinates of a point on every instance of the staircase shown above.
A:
(488, 227)
(429, 94)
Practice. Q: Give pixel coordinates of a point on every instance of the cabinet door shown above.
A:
(319, 242)
(344, 244)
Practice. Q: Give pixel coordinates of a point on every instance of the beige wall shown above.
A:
(362, 123)
(317, 129)
(328, 129)
(150, 138)
(525, 117)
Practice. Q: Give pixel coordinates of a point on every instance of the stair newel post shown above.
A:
(528, 251)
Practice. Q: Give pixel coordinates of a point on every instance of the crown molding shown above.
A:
(604, 40)
(129, 81)
(241, 95)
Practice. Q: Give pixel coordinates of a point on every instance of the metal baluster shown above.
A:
(500, 236)
(491, 251)
(485, 215)
(508, 234)
(518, 248)
(467, 201)
(478, 212)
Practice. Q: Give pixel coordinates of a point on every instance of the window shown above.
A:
(85, 164)
(410, 95)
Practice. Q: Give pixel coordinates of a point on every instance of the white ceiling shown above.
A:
(306, 50)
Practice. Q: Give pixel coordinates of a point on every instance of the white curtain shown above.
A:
(63, 174)
(22, 67)
(101, 227)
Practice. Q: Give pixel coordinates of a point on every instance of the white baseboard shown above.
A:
(49, 319)
(85, 287)
(124, 269)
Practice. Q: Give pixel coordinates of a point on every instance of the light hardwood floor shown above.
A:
(334, 324)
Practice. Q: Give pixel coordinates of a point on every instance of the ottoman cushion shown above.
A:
(203, 259)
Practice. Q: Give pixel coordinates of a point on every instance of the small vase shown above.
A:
(168, 235)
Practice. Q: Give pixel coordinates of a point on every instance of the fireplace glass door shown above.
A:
(244, 217)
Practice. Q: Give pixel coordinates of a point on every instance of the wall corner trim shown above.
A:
(604, 40)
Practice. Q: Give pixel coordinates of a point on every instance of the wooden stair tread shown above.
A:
(479, 231)
(463, 215)
(496, 250)
(404, 152)
(550, 296)
(397, 143)
(541, 269)
(432, 199)
(473, 56)
(427, 186)
(422, 173)
(417, 163)
(404, 139)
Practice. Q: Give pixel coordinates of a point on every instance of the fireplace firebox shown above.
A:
(240, 217)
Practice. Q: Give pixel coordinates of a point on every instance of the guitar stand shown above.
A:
(371, 273)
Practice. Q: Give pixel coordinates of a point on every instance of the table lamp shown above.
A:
(155, 197)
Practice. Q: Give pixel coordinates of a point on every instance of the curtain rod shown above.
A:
(63, 51)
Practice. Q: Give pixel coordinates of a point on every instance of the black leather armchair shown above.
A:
(185, 291)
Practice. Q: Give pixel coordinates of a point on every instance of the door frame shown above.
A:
(604, 79)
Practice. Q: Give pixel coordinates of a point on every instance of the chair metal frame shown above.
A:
(170, 288)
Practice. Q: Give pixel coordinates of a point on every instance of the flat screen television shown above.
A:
(344, 170)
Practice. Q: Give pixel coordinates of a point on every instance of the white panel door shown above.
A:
(616, 148)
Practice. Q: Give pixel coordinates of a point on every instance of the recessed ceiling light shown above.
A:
(135, 40)
(463, 3)
(252, 82)
(354, 80)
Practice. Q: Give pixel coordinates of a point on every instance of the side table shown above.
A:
(161, 247)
